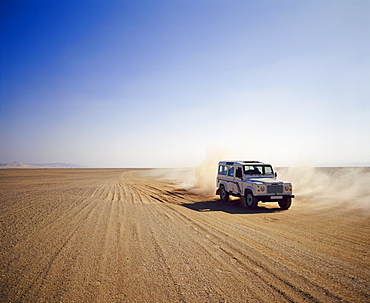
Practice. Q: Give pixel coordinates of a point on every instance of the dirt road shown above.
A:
(114, 235)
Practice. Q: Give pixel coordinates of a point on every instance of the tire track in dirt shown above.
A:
(264, 257)
(50, 239)
(122, 236)
(211, 253)
(320, 292)
(246, 264)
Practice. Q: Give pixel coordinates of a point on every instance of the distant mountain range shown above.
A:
(48, 165)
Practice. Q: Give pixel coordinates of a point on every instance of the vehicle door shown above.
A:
(238, 180)
(230, 177)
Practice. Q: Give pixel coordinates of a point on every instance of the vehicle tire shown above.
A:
(224, 195)
(250, 199)
(285, 202)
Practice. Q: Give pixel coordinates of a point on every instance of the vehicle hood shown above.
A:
(265, 180)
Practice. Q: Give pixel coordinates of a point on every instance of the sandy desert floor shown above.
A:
(116, 235)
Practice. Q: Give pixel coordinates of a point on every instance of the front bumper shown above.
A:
(272, 198)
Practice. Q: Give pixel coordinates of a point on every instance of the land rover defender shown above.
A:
(253, 181)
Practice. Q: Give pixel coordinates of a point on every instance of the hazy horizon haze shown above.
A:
(171, 83)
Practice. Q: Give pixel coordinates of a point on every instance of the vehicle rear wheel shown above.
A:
(285, 202)
(250, 199)
(224, 195)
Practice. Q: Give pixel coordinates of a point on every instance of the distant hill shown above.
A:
(48, 165)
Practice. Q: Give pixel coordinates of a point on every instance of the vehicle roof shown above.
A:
(240, 162)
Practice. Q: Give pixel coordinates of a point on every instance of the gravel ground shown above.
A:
(116, 235)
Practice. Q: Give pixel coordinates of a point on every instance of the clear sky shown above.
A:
(164, 83)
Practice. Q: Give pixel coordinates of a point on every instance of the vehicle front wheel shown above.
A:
(250, 200)
(224, 195)
(285, 203)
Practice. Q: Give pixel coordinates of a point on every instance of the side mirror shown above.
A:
(275, 174)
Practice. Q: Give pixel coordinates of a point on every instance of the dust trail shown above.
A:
(204, 176)
(347, 188)
(322, 187)
(200, 180)
(182, 177)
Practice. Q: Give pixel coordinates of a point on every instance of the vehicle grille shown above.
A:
(274, 189)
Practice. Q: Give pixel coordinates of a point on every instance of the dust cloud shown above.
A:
(323, 187)
(200, 180)
(345, 188)
(319, 187)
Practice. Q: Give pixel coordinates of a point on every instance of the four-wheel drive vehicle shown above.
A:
(253, 180)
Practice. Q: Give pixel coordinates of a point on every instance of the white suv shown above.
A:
(253, 180)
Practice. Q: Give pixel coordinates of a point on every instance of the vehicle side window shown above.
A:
(231, 171)
(238, 173)
(222, 170)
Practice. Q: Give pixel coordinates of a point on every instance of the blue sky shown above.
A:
(169, 83)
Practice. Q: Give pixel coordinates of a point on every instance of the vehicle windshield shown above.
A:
(258, 170)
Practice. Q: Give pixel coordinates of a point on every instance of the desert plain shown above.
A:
(129, 235)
